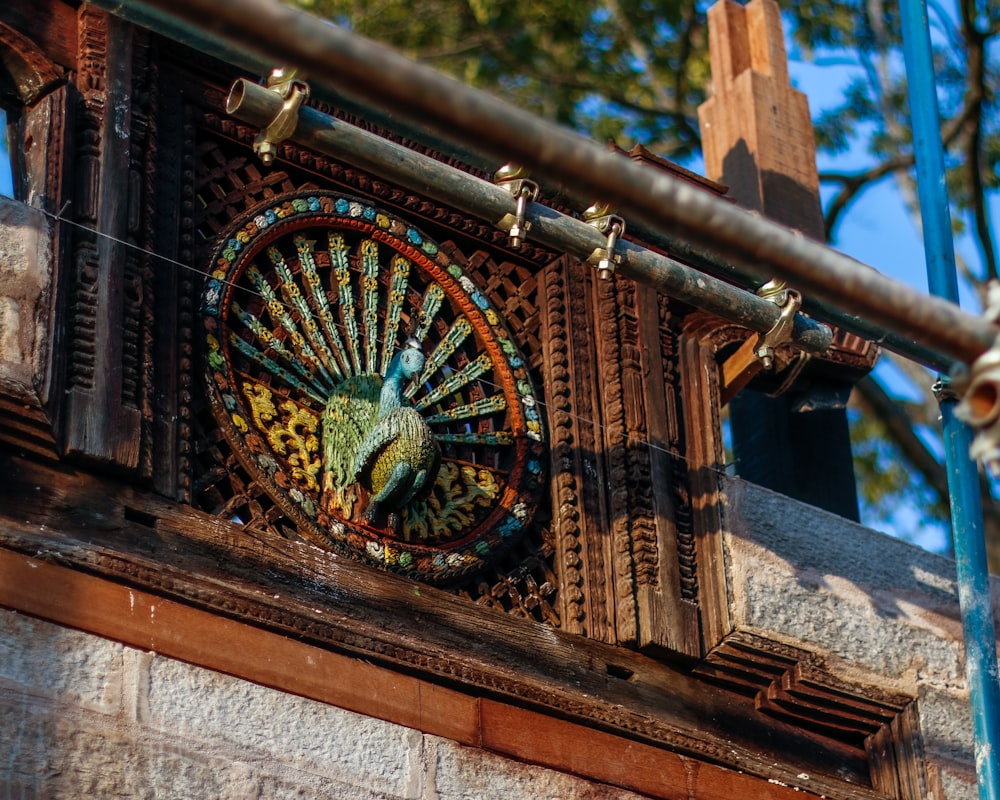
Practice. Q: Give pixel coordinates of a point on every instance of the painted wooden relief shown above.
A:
(372, 390)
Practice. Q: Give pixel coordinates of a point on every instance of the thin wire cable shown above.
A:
(631, 436)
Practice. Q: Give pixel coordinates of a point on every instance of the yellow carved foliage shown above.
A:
(459, 489)
(291, 430)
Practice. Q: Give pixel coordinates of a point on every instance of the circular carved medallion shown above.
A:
(370, 388)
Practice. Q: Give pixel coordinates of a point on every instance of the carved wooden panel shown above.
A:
(578, 470)
(619, 487)
(109, 382)
(229, 182)
(612, 554)
(372, 390)
(706, 463)
(642, 441)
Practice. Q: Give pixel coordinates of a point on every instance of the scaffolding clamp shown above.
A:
(757, 352)
(789, 301)
(605, 258)
(980, 403)
(293, 91)
(515, 180)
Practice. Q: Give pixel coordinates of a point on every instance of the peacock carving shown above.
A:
(370, 387)
(399, 457)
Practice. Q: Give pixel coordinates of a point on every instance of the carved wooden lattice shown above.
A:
(606, 373)
(522, 580)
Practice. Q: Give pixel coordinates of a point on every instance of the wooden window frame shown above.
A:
(41, 139)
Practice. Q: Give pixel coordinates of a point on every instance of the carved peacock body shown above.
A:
(399, 457)
(370, 387)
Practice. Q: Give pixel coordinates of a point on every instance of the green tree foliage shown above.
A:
(624, 69)
(636, 70)
(874, 107)
(873, 116)
(887, 475)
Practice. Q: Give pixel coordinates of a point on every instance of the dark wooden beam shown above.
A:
(51, 26)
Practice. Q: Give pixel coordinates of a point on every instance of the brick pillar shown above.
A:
(756, 130)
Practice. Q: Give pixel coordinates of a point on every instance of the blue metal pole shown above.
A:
(974, 600)
(963, 479)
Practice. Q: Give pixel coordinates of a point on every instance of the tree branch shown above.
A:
(639, 51)
(975, 96)
(900, 429)
(854, 183)
(691, 23)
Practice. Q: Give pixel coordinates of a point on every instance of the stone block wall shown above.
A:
(87, 717)
(25, 288)
(874, 609)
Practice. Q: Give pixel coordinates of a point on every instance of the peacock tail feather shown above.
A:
(350, 413)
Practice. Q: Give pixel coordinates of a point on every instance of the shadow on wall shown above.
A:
(782, 198)
(800, 448)
(874, 603)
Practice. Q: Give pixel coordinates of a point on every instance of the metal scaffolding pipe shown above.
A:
(713, 264)
(378, 75)
(963, 478)
(698, 257)
(195, 36)
(198, 38)
(257, 106)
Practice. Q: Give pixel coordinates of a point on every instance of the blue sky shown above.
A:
(6, 188)
(878, 229)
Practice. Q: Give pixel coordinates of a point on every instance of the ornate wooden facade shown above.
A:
(608, 612)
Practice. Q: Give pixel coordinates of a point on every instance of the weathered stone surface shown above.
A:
(876, 609)
(171, 730)
(66, 755)
(946, 724)
(456, 772)
(61, 664)
(219, 711)
(54, 751)
(956, 783)
(881, 605)
(25, 286)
